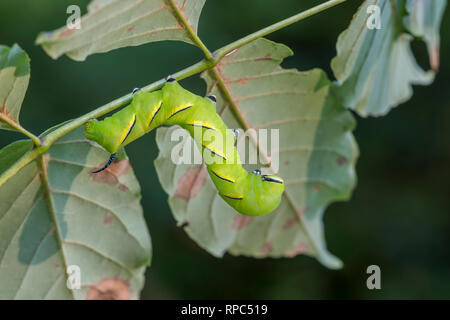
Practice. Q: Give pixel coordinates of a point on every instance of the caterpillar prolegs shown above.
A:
(249, 193)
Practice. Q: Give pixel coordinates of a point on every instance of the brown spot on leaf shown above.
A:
(66, 33)
(267, 247)
(130, 29)
(302, 212)
(240, 221)
(110, 289)
(120, 167)
(341, 161)
(123, 187)
(299, 249)
(56, 266)
(289, 223)
(112, 173)
(191, 183)
(286, 163)
(317, 187)
(108, 219)
(104, 177)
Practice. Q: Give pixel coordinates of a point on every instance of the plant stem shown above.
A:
(209, 62)
(275, 27)
(42, 163)
(111, 106)
(16, 126)
(190, 30)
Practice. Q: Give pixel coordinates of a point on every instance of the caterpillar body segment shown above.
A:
(249, 193)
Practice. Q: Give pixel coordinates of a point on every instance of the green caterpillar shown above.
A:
(249, 193)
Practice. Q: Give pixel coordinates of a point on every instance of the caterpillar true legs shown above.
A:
(249, 193)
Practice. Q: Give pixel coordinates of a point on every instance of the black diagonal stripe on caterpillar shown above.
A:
(130, 129)
(233, 197)
(222, 177)
(248, 193)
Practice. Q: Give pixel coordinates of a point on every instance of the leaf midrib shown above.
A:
(51, 207)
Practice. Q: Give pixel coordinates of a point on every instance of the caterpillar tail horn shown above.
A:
(108, 163)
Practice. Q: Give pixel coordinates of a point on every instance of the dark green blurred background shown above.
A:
(398, 217)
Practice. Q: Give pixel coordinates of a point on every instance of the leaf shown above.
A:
(112, 24)
(376, 68)
(14, 78)
(424, 21)
(12, 152)
(317, 156)
(67, 216)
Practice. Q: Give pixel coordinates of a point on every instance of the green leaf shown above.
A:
(112, 24)
(14, 78)
(54, 214)
(376, 68)
(424, 21)
(317, 156)
(12, 152)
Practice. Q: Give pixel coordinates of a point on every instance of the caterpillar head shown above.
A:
(272, 188)
(262, 196)
(94, 131)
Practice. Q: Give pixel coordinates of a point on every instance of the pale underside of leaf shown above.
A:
(65, 217)
(424, 21)
(317, 154)
(376, 68)
(14, 79)
(116, 24)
